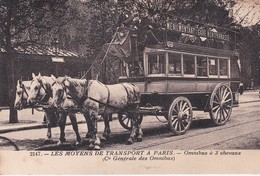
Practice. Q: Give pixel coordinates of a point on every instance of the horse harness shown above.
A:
(24, 91)
(86, 96)
(47, 95)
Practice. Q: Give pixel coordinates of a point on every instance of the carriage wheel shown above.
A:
(180, 115)
(221, 102)
(125, 120)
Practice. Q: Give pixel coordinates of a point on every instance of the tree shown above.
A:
(24, 23)
(249, 54)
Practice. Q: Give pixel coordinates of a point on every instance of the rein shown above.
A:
(46, 96)
(22, 95)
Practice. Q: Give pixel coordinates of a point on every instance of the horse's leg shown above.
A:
(95, 141)
(107, 130)
(73, 120)
(134, 131)
(139, 137)
(89, 124)
(47, 114)
(62, 123)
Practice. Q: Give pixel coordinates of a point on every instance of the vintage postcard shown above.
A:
(129, 87)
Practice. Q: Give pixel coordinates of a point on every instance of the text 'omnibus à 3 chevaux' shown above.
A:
(180, 68)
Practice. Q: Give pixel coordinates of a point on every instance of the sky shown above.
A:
(249, 8)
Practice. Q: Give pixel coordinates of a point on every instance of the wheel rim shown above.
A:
(221, 103)
(180, 115)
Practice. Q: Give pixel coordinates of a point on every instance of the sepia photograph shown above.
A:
(129, 86)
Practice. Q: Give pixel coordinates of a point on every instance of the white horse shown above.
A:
(39, 93)
(22, 92)
(90, 95)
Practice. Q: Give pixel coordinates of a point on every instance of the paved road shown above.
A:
(241, 132)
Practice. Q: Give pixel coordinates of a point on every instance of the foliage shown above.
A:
(250, 54)
(24, 23)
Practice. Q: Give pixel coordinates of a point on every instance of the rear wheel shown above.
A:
(221, 102)
(125, 120)
(180, 115)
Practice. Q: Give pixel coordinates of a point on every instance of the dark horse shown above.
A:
(90, 95)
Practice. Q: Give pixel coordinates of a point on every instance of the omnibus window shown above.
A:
(201, 66)
(189, 64)
(156, 63)
(174, 64)
(223, 67)
(213, 66)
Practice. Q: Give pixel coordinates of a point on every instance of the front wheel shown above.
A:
(180, 115)
(125, 120)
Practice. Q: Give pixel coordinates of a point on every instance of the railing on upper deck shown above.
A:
(167, 28)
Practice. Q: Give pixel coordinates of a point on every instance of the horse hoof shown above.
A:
(105, 137)
(60, 143)
(91, 146)
(129, 141)
(102, 138)
(139, 139)
(96, 147)
(47, 141)
(78, 144)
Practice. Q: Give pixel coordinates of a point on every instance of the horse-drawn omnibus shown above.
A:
(179, 68)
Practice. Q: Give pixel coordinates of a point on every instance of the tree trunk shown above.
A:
(13, 118)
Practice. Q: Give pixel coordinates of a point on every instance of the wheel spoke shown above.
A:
(183, 107)
(228, 100)
(216, 102)
(179, 126)
(220, 115)
(174, 121)
(223, 116)
(213, 109)
(183, 126)
(188, 108)
(175, 110)
(128, 121)
(227, 112)
(180, 106)
(174, 116)
(216, 97)
(226, 95)
(176, 125)
(216, 114)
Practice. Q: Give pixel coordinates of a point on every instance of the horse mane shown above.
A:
(77, 82)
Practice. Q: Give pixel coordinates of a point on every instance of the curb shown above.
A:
(38, 126)
(31, 127)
